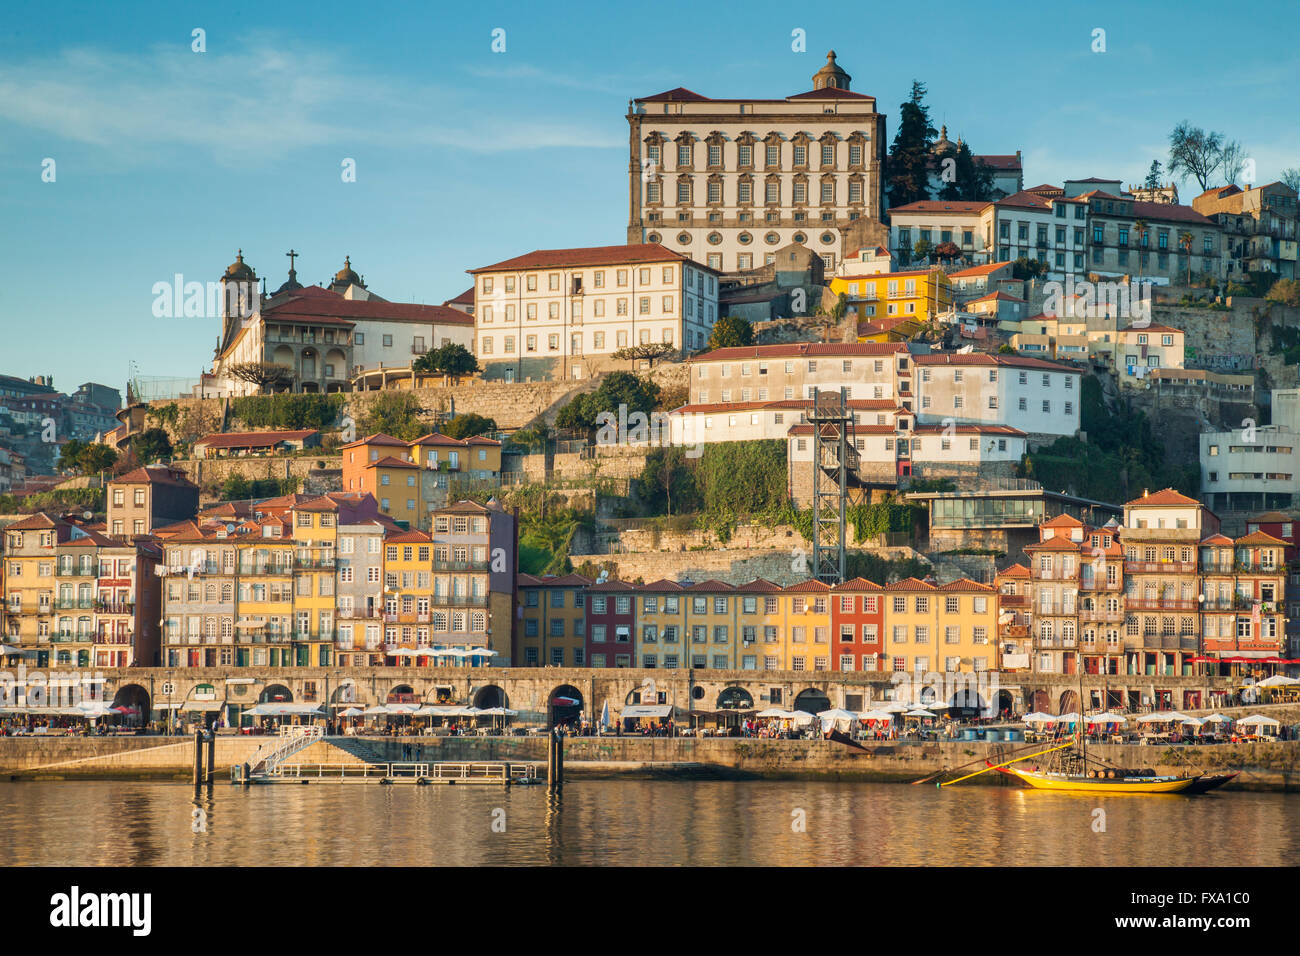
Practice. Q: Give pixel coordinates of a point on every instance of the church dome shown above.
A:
(346, 274)
(831, 76)
(943, 144)
(239, 269)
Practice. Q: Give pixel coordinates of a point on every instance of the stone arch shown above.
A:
(1041, 702)
(563, 705)
(1004, 703)
(735, 698)
(1069, 702)
(338, 363)
(491, 695)
(812, 701)
(400, 693)
(275, 694)
(135, 698)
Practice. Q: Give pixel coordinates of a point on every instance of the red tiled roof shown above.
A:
(966, 584)
(334, 308)
(978, 270)
(999, 160)
(253, 439)
(155, 475)
(1217, 539)
(663, 584)
(937, 205)
(1054, 544)
(590, 256)
(858, 584)
(812, 584)
(984, 358)
(910, 584)
(378, 438)
(829, 93)
(803, 350)
(409, 537)
(1063, 521)
(1271, 517)
(388, 461)
(1150, 328)
(1015, 571)
(465, 298)
(1260, 537)
(1166, 496)
(998, 296)
(760, 586)
(678, 94)
(564, 581)
(710, 585)
(971, 430)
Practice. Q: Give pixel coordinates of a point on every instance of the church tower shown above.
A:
(831, 76)
(239, 297)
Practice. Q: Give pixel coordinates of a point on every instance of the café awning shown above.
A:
(637, 711)
(282, 710)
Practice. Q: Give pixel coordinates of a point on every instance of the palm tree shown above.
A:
(1185, 240)
(1141, 228)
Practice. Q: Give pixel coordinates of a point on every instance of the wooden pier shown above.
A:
(492, 773)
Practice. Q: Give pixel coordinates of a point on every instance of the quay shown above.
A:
(1266, 766)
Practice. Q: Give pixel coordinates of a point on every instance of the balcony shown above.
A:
(115, 607)
(1159, 567)
(445, 565)
(83, 604)
(75, 571)
(1160, 604)
(313, 564)
(249, 570)
(1101, 616)
(1218, 567)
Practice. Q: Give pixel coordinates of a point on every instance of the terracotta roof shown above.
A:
(858, 584)
(1260, 537)
(332, 308)
(1055, 544)
(1150, 328)
(1024, 200)
(155, 475)
(409, 537)
(1063, 521)
(37, 522)
(760, 586)
(966, 584)
(254, 439)
(1015, 571)
(972, 429)
(465, 298)
(1008, 161)
(564, 581)
(1217, 539)
(984, 358)
(590, 256)
(1166, 496)
(663, 584)
(388, 461)
(469, 507)
(978, 270)
(812, 584)
(910, 584)
(1271, 517)
(797, 404)
(936, 205)
(998, 296)
(439, 439)
(678, 94)
(803, 350)
(830, 93)
(378, 438)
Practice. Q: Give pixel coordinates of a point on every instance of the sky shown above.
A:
(167, 160)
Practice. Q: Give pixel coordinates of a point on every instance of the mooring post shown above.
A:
(198, 761)
(212, 756)
(559, 757)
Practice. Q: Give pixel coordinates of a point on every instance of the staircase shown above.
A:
(291, 741)
(360, 749)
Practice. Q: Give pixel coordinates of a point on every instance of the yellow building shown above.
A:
(264, 613)
(918, 295)
(949, 629)
(315, 538)
(551, 629)
(807, 626)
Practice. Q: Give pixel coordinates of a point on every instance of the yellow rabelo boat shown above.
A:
(1101, 781)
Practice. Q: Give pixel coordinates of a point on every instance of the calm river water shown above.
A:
(635, 822)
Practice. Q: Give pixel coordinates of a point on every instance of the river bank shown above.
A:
(1271, 767)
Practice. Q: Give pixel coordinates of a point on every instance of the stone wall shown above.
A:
(204, 471)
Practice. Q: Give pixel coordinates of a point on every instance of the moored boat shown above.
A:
(1210, 781)
(1099, 782)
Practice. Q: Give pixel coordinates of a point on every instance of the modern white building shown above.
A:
(564, 313)
(936, 221)
(730, 181)
(768, 373)
(1255, 468)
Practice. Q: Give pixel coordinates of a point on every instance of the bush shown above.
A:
(394, 413)
(287, 411)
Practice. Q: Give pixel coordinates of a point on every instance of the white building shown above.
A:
(937, 221)
(1255, 468)
(1034, 396)
(760, 421)
(563, 313)
(1041, 224)
(729, 181)
(768, 373)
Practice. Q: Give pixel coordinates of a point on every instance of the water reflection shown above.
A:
(634, 822)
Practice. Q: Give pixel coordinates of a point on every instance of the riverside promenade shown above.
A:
(1266, 766)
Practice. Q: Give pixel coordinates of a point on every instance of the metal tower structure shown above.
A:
(833, 455)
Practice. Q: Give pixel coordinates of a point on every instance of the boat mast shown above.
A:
(1083, 710)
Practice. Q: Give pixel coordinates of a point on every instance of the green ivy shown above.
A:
(287, 411)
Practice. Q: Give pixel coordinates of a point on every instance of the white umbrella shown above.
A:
(377, 710)
(802, 717)
(895, 707)
(1175, 716)
(498, 712)
(352, 712)
(875, 715)
(1107, 718)
(1191, 721)
(604, 715)
(920, 712)
(837, 713)
(1278, 680)
(403, 708)
(1217, 719)
(1258, 720)
(1156, 718)
(777, 712)
(1038, 717)
(1070, 718)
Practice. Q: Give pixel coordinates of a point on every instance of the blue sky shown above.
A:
(168, 160)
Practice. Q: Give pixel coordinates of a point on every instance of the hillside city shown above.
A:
(843, 400)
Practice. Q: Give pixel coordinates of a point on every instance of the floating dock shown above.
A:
(492, 773)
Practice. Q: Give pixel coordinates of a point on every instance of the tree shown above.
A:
(971, 182)
(617, 389)
(1194, 152)
(910, 156)
(468, 425)
(452, 359)
(265, 375)
(152, 445)
(394, 413)
(96, 458)
(947, 251)
(1026, 268)
(1291, 178)
(1232, 159)
(731, 331)
(922, 249)
(1284, 292)
(651, 352)
(1141, 228)
(1185, 240)
(1153, 175)
(70, 454)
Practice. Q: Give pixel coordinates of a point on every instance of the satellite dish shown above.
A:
(87, 515)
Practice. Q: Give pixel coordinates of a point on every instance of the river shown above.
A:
(627, 821)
